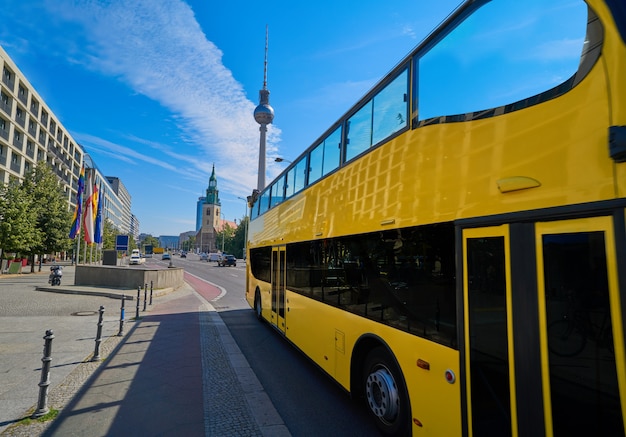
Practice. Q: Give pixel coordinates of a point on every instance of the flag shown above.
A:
(79, 205)
(98, 225)
(88, 214)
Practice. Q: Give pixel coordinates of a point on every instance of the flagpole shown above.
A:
(78, 247)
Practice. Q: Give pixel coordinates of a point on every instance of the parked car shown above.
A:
(227, 260)
(166, 256)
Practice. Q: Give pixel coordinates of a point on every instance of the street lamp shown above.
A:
(282, 160)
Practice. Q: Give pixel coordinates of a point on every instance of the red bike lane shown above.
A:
(205, 289)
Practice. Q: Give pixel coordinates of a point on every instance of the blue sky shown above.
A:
(159, 91)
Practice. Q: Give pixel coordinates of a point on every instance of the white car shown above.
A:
(136, 258)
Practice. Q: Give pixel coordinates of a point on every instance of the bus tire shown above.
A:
(257, 305)
(385, 393)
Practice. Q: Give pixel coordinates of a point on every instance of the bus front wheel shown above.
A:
(386, 394)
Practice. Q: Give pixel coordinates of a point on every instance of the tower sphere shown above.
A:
(264, 114)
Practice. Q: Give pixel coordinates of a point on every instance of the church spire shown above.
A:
(212, 193)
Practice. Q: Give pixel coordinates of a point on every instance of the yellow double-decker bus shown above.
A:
(453, 249)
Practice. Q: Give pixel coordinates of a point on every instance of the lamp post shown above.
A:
(245, 234)
(282, 160)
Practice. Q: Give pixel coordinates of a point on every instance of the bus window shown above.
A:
(261, 263)
(254, 211)
(296, 178)
(505, 52)
(385, 114)
(403, 278)
(278, 192)
(359, 136)
(325, 157)
(264, 201)
(391, 108)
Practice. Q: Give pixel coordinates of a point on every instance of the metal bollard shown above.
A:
(121, 331)
(138, 297)
(42, 404)
(150, 292)
(96, 351)
(145, 296)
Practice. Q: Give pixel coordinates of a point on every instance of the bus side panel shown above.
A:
(311, 327)
(328, 336)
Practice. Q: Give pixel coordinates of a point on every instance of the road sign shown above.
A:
(121, 242)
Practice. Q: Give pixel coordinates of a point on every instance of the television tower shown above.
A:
(263, 114)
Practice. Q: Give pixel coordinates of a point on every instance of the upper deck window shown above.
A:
(296, 177)
(325, 157)
(382, 116)
(506, 51)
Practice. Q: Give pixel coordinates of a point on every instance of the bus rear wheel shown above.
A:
(257, 305)
(385, 393)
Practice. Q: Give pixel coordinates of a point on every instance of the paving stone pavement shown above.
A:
(176, 371)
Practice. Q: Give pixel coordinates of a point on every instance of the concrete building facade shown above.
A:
(31, 134)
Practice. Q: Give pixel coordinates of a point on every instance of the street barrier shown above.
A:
(42, 404)
(96, 352)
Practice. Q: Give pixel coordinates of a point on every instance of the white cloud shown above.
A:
(159, 50)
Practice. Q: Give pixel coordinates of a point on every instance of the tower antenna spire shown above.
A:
(264, 115)
(265, 64)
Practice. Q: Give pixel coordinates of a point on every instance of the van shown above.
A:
(214, 257)
(136, 258)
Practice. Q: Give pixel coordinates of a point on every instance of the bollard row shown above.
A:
(44, 383)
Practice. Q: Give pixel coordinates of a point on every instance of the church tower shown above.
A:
(210, 221)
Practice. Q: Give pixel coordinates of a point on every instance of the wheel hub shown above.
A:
(382, 395)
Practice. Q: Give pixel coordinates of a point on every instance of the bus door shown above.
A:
(278, 287)
(582, 338)
(489, 388)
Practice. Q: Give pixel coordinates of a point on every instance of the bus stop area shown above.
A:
(174, 370)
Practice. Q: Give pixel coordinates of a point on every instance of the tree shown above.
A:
(109, 232)
(49, 203)
(224, 240)
(189, 243)
(239, 238)
(18, 232)
(35, 216)
(149, 240)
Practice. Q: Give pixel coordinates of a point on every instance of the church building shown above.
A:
(209, 220)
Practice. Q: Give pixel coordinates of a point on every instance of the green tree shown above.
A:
(109, 232)
(239, 238)
(189, 243)
(225, 239)
(18, 231)
(149, 240)
(51, 208)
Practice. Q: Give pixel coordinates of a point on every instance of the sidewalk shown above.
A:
(175, 371)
